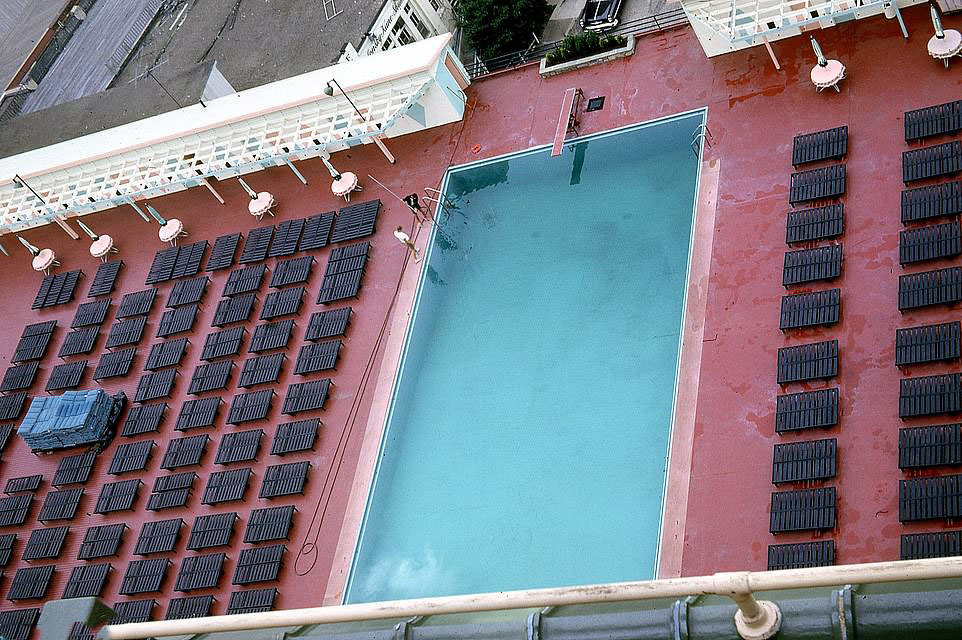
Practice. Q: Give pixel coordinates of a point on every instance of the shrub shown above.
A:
(582, 45)
(494, 27)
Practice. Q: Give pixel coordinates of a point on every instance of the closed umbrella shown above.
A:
(822, 60)
(32, 249)
(936, 22)
(326, 159)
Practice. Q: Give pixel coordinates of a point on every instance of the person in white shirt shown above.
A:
(405, 239)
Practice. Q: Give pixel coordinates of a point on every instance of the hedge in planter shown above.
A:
(582, 45)
(494, 27)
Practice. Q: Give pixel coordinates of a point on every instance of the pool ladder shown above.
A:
(701, 134)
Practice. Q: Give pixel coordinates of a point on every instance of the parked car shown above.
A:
(600, 14)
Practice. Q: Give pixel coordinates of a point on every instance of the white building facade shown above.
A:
(402, 22)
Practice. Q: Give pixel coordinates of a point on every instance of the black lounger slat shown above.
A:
(159, 536)
(813, 361)
(804, 510)
(34, 341)
(317, 230)
(930, 243)
(66, 376)
(55, 289)
(241, 446)
(210, 376)
(137, 304)
(60, 505)
(282, 303)
(189, 257)
(23, 483)
(30, 583)
(257, 244)
(817, 184)
(213, 530)
(187, 292)
(132, 611)
(260, 564)
(155, 385)
(198, 413)
(923, 203)
(930, 395)
(105, 279)
(928, 343)
(45, 543)
(806, 410)
(190, 607)
(261, 369)
(144, 576)
(933, 498)
(236, 309)
(295, 436)
(284, 479)
(293, 271)
(132, 456)
(272, 523)
(18, 624)
(20, 376)
(117, 496)
(355, 221)
(246, 407)
(223, 343)
(143, 419)
(810, 309)
(804, 461)
(938, 544)
(244, 280)
(126, 332)
(87, 581)
(12, 405)
(226, 486)
(162, 266)
(801, 555)
(272, 335)
(171, 491)
(91, 313)
(809, 265)
(306, 396)
(114, 364)
(74, 469)
(15, 509)
(6, 548)
(319, 356)
(166, 354)
(251, 601)
(222, 255)
(931, 446)
(821, 145)
(79, 342)
(930, 162)
(185, 452)
(328, 324)
(931, 121)
(286, 238)
(102, 541)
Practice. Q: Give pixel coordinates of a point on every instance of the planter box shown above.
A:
(598, 58)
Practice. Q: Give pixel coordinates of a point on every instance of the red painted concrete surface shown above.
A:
(754, 112)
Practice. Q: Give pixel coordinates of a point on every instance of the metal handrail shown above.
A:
(648, 24)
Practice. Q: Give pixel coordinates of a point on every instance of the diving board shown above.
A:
(567, 119)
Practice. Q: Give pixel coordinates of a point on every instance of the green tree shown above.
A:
(494, 27)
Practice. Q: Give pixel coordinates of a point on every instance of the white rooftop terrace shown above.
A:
(385, 95)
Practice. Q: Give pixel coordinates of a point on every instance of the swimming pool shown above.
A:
(527, 439)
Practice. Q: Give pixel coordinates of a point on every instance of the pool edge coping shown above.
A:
(395, 351)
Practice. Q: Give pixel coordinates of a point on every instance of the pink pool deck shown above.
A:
(719, 485)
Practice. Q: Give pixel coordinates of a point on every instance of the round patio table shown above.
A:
(171, 231)
(828, 76)
(344, 185)
(100, 247)
(261, 204)
(946, 47)
(45, 259)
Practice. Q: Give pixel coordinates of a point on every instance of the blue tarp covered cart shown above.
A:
(76, 418)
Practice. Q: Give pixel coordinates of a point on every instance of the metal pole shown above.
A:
(212, 190)
(771, 53)
(358, 111)
(870, 573)
(296, 172)
(139, 211)
(62, 223)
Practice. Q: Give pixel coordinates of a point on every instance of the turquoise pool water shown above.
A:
(527, 439)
